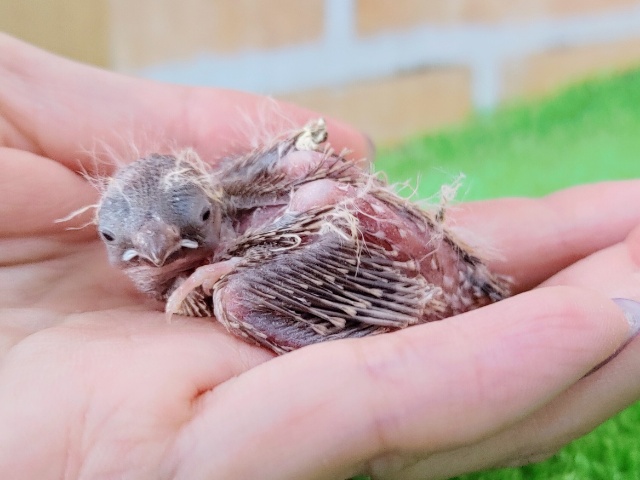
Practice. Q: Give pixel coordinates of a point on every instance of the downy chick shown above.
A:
(288, 246)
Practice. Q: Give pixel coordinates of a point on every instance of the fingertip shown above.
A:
(359, 144)
(601, 318)
(631, 310)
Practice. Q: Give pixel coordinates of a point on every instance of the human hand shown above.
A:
(94, 383)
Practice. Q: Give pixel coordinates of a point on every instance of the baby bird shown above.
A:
(288, 245)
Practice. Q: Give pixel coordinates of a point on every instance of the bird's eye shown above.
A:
(107, 236)
(206, 214)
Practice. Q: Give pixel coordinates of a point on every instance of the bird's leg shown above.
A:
(204, 277)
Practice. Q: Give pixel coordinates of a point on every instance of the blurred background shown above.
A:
(392, 68)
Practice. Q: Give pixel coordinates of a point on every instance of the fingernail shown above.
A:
(631, 310)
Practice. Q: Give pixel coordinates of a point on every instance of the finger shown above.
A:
(595, 398)
(329, 409)
(59, 109)
(576, 412)
(37, 191)
(612, 271)
(535, 238)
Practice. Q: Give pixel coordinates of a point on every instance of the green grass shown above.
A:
(587, 133)
(608, 453)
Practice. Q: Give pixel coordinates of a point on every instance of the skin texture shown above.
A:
(95, 384)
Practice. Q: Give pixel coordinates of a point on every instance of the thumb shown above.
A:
(331, 410)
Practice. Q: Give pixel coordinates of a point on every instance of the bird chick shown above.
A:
(288, 245)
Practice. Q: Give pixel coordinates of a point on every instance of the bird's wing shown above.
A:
(305, 280)
(266, 176)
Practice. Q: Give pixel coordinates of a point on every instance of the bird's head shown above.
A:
(159, 210)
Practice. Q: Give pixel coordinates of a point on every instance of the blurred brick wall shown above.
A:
(392, 67)
(74, 28)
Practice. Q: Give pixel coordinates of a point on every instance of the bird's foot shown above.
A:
(204, 278)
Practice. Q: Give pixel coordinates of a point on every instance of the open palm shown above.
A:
(95, 384)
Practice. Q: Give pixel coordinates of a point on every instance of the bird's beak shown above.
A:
(156, 240)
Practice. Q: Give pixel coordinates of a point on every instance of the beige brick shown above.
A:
(502, 10)
(392, 109)
(573, 7)
(147, 32)
(545, 72)
(523, 10)
(77, 29)
(379, 15)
